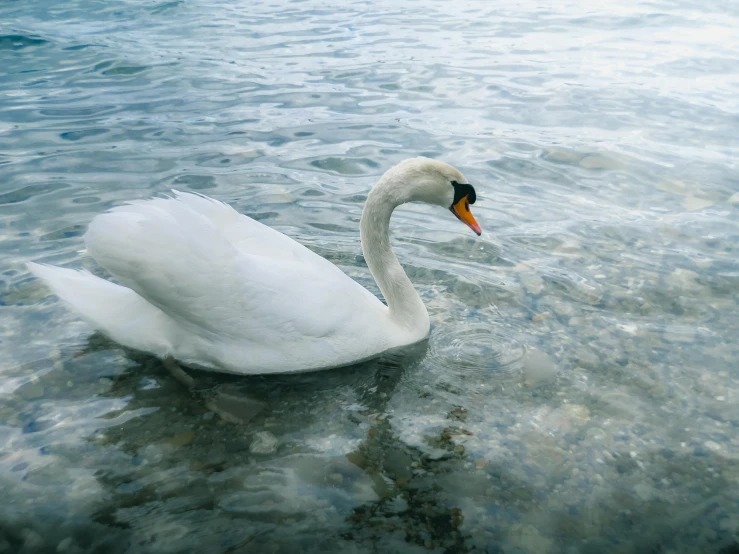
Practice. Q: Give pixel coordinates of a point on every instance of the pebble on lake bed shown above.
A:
(541, 316)
(32, 541)
(263, 442)
(683, 280)
(527, 538)
(234, 407)
(32, 390)
(576, 412)
(695, 203)
(183, 439)
(64, 544)
(538, 368)
(532, 283)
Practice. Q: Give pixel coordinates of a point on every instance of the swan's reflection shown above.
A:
(291, 483)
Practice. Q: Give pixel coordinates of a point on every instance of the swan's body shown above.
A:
(215, 289)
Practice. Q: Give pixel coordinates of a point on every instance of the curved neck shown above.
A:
(405, 305)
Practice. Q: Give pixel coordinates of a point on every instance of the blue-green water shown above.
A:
(579, 390)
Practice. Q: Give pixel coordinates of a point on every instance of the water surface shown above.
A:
(579, 390)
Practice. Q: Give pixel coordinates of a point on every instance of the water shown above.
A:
(579, 390)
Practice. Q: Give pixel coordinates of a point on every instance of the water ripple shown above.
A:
(465, 361)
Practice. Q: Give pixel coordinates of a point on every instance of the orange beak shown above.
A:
(462, 210)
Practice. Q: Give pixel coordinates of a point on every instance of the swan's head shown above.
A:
(434, 182)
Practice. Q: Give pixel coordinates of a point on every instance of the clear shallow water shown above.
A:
(579, 389)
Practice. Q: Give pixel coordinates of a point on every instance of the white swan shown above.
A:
(217, 290)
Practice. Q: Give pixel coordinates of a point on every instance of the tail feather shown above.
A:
(116, 311)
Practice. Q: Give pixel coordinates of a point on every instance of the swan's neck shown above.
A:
(405, 305)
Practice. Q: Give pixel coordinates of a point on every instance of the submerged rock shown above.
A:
(183, 439)
(532, 283)
(600, 161)
(683, 279)
(32, 541)
(538, 368)
(695, 203)
(528, 539)
(32, 390)
(264, 442)
(679, 333)
(64, 545)
(235, 408)
(644, 491)
(576, 412)
(568, 247)
(541, 316)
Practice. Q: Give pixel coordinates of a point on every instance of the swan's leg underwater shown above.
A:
(177, 372)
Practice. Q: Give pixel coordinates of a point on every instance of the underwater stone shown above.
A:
(644, 491)
(32, 540)
(527, 538)
(397, 463)
(576, 321)
(576, 412)
(679, 333)
(587, 359)
(264, 442)
(183, 439)
(625, 464)
(683, 279)
(695, 203)
(32, 390)
(64, 544)
(567, 247)
(563, 308)
(541, 316)
(532, 283)
(538, 368)
(235, 408)
(600, 161)
(713, 446)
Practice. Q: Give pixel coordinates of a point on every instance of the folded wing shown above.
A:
(216, 272)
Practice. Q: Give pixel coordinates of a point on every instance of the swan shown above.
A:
(210, 288)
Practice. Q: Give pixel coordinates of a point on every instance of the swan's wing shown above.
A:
(185, 261)
(246, 234)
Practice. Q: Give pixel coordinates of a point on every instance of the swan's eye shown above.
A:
(461, 190)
